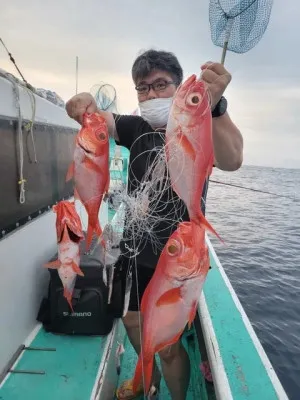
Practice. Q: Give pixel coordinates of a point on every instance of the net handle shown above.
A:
(224, 53)
(227, 36)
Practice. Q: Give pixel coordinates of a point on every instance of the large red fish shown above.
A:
(189, 145)
(171, 297)
(90, 169)
(69, 233)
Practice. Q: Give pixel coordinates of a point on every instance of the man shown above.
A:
(156, 75)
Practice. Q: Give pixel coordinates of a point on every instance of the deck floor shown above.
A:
(197, 387)
(70, 371)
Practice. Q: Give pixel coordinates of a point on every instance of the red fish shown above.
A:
(69, 233)
(171, 297)
(90, 169)
(66, 215)
(189, 146)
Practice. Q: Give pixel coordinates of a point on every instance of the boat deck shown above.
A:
(84, 368)
(197, 388)
(72, 370)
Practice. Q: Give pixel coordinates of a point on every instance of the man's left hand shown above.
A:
(217, 79)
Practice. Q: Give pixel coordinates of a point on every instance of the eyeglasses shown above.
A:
(158, 86)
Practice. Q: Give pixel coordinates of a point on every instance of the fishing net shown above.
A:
(238, 25)
(105, 96)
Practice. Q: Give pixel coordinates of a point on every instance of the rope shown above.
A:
(21, 181)
(13, 61)
(29, 126)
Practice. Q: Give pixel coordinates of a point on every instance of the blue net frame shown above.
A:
(239, 23)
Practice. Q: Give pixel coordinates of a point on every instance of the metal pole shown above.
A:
(224, 53)
(229, 24)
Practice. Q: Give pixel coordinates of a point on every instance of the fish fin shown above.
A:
(76, 195)
(53, 264)
(88, 163)
(211, 165)
(89, 236)
(192, 314)
(98, 229)
(99, 234)
(90, 231)
(175, 339)
(138, 375)
(76, 269)
(68, 297)
(145, 297)
(107, 185)
(143, 373)
(186, 144)
(70, 172)
(170, 297)
(199, 219)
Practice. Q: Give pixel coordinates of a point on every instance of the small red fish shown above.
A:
(90, 169)
(171, 297)
(189, 145)
(66, 215)
(69, 233)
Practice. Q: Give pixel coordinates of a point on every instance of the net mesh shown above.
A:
(241, 23)
(105, 96)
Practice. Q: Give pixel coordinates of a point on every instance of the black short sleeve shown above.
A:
(129, 128)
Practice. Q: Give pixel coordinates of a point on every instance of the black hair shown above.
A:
(151, 60)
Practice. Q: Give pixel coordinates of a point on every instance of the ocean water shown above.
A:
(262, 258)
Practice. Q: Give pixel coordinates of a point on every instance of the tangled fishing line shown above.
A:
(150, 202)
(151, 207)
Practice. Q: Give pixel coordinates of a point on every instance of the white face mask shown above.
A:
(156, 111)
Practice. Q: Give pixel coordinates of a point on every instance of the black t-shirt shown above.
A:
(166, 209)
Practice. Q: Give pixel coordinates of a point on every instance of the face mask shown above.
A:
(156, 111)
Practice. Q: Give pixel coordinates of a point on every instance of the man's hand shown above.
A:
(217, 79)
(79, 104)
(85, 103)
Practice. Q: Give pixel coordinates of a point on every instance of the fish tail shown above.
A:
(98, 229)
(89, 236)
(143, 374)
(70, 172)
(68, 296)
(91, 229)
(200, 219)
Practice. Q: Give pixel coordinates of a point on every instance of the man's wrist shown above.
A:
(220, 108)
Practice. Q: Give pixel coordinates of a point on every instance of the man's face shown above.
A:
(163, 86)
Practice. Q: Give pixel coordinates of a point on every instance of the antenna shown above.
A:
(76, 74)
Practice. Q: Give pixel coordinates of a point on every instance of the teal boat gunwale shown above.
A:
(221, 378)
(107, 377)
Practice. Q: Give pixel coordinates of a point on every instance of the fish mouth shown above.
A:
(84, 148)
(75, 238)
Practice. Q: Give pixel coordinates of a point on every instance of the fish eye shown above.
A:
(173, 248)
(102, 136)
(194, 99)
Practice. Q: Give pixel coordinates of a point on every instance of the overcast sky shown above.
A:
(264, 95)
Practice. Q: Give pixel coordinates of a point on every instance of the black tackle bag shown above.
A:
(91, 314)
